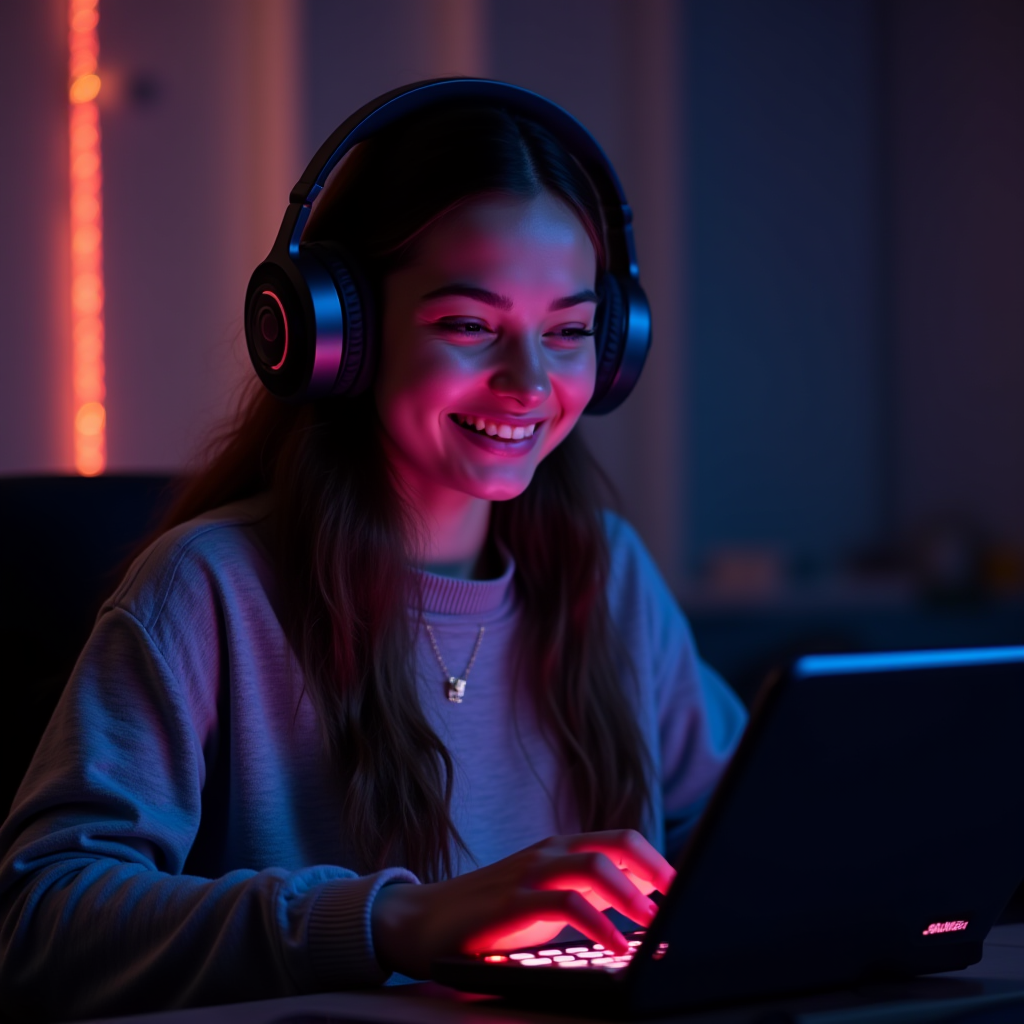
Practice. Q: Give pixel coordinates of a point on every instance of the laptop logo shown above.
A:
(941, 927)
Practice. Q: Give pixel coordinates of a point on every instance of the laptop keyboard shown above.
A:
(576, 956)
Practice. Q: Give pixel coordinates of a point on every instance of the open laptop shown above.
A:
(869, 827)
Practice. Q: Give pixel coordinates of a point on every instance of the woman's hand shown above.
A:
(523, 900)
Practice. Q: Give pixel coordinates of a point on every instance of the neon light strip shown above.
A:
(898, 661)
(87, 328)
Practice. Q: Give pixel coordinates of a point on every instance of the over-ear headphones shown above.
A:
(308, 317)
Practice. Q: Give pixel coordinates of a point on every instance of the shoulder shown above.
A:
(633, 574)
(219, 552)
(642, 606)
(693, 704)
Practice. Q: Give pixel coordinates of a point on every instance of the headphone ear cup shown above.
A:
(357, 356)
(280, 328)
(609, 335)
(307, 325)
(622, 333)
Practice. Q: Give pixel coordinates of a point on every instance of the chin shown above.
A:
(498, 490)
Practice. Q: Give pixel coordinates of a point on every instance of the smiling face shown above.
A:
(487, 357)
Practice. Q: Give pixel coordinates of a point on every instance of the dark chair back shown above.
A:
(63, 540)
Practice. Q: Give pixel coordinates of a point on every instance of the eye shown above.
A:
(463, 327)
(568, 335)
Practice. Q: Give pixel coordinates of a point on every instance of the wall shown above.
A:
(856, 245)
(784, 392)
(956, 132)
(199, 150)
(35, 380)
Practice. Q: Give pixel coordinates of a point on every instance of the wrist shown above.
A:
(392, 925)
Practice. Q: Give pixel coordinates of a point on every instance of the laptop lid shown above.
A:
(871, 824)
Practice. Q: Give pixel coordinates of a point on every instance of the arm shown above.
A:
(692, 720)
(696, 747)
(93, 889)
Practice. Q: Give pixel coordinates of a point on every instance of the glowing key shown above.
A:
(537, 961)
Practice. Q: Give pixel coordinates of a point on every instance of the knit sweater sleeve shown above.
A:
(94, 889)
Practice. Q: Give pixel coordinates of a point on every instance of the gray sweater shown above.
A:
(177, 840)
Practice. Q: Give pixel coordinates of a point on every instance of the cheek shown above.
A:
(575, 387)
(418, 383)
(575, 383)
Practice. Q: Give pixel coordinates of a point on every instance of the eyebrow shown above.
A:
(573, 300)
(503, 302)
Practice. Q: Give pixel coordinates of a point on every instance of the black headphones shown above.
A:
(307, 322)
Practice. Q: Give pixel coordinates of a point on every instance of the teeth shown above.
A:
(503, 430)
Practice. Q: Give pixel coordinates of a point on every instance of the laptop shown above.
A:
(869, 828)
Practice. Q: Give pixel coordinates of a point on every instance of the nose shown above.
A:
(521, 374)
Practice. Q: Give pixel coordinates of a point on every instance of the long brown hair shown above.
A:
(342, 528)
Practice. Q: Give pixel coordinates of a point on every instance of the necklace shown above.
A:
(456, 685)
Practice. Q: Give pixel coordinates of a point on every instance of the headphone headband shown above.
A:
(326, 306)
(399, 103)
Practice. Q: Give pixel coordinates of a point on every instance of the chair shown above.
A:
(63, 540)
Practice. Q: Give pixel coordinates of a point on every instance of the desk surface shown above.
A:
(997, 978)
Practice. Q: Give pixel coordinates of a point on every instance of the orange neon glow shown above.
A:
(86, 168)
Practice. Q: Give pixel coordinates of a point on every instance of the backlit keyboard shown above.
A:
(574, 955)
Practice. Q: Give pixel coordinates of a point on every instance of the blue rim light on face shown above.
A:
(897, 661)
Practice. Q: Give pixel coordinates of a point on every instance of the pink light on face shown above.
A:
(485, 364)
(942, 927)
(87, 292)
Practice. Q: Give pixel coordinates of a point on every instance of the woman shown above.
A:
(390, 684)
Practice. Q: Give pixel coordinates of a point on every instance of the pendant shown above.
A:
(456, 689)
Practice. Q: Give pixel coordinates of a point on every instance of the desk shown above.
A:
(997, 978)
